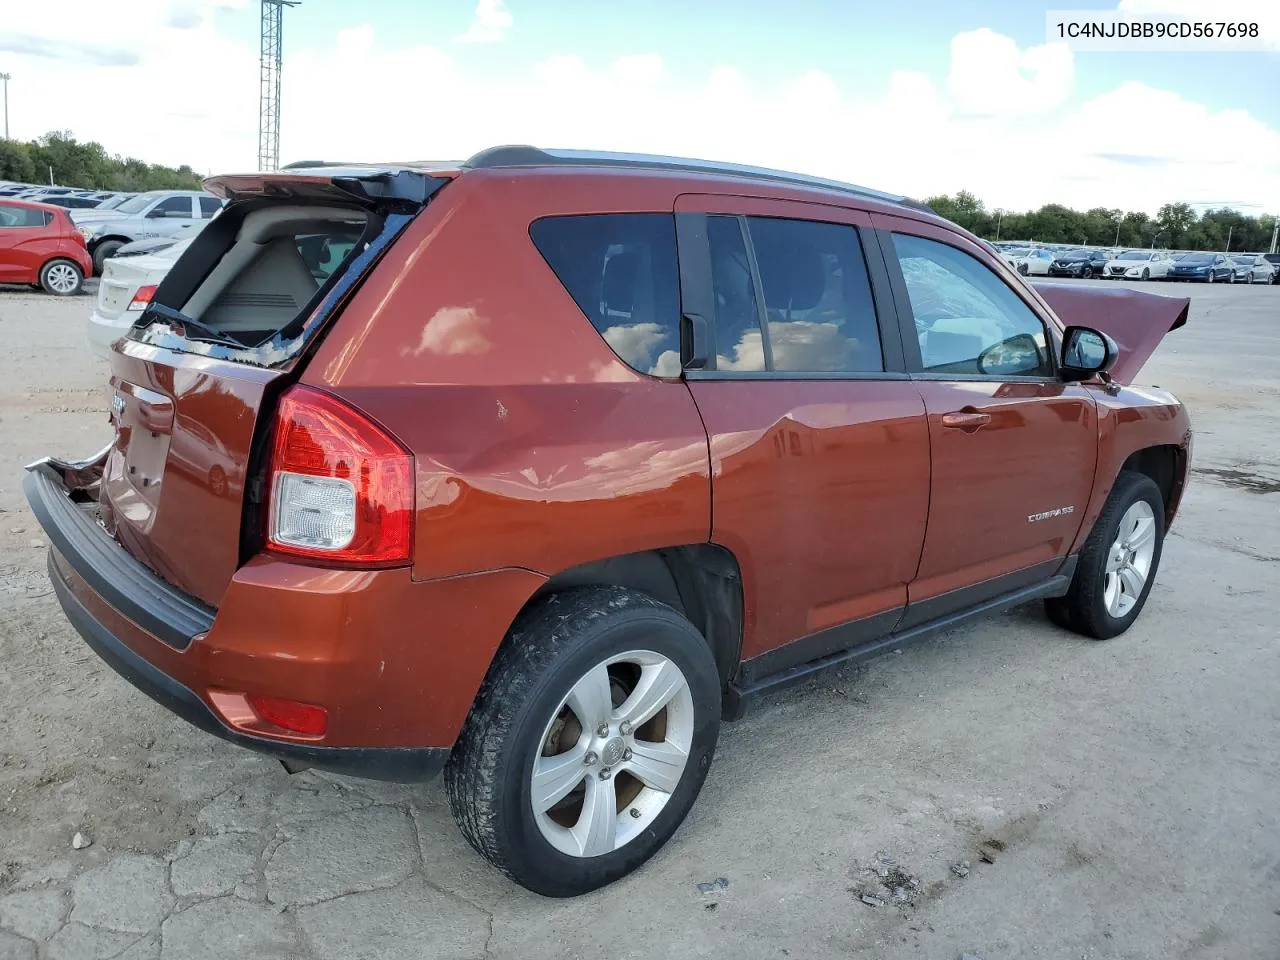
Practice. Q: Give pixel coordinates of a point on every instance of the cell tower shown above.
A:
(269, 94)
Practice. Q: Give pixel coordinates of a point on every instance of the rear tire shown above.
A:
(62, 278)
(103, 252)
(579, 829)
(1118, 564)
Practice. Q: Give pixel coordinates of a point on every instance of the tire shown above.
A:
(61, 278)
(1146, 274)
(1086, 608)
(1086, 273)
(523, 708)
(1024, 269)
(1251, 281)
(104, 251)
(1210, 280)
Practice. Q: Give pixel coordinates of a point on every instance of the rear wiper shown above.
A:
(189, 325)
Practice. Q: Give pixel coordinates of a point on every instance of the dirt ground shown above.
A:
(1006, 790)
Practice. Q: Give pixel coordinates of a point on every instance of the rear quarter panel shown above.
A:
(536, 447)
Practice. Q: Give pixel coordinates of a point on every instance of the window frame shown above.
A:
(697, 298)
(886, 227)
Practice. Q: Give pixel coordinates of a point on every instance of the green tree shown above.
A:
(75, 164)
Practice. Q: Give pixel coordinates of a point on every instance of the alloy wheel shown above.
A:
(1129, 559)
(62, 278)
(612, 754)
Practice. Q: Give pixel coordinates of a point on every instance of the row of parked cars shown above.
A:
(1141, 264)
(55, 247)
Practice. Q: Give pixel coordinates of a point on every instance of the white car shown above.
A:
(1138, 265)
(1028, 261)
(127, 286)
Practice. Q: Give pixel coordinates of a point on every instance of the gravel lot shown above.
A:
(1109, 800)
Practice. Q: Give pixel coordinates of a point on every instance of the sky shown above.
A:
(919, 98)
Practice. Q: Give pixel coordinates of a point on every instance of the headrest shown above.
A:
(794, 276)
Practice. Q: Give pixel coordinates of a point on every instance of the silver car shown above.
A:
(157, 213)
(1252, 268)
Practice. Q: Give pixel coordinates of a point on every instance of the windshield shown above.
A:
(112, 202)
(1135, 255)
(135, 204)
(1017, 251)
(1198, 258)
(1247, 261)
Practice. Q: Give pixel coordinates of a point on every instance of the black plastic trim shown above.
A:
(815, 646)
(925, 611)
(744, 693)
(400, 764)
(126, 584)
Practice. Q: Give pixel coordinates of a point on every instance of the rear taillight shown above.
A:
(341, 487)
(142, 298)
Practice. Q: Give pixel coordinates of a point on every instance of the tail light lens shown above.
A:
(142, 298)
(341, 487)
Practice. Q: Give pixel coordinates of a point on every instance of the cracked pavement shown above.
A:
(1110, 800)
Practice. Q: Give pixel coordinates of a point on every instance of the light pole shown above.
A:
(1275, 234)
(1119, 220)
(999, 216)
(6, 77)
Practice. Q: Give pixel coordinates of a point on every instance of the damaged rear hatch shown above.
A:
(194, 381)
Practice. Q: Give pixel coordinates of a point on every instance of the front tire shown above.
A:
(1211, 275)
(1087, 273)
(103, 252)
(589, 741)
(1146, 274)
(1118, 564)
(62, 278)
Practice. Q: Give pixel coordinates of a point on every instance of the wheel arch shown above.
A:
(701, 580)
(96, 242)
(1166, 464)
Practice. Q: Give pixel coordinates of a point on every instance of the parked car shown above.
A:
(156, 244)
(533, 493)
(1139, 265)
(125, 290)
(1205, 267)
(70, 201)
(1036, 263)
(39, 245)
(1252, 268)
(156, 213)
(1078, 263)
(1274, 260)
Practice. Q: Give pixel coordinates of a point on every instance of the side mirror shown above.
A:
(155, 213)
(1018, 355)
(1086, 353)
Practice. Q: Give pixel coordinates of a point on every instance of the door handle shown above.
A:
(967, 420)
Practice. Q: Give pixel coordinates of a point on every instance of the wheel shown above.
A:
(1251, 281)
(1146, 274)
(62, 278)
(588, 741)
(1210, 280)
(103, 252)
(218, 482)
(1087, 273)
(1023, 269)
(1118, 563)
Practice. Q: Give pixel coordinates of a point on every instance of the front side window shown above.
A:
(172, 207)
(817, 296)
(620, 269)
(967, 320)
(15, 216)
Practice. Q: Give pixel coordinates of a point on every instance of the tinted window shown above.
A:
(621, 271)
(11, 216)
(817, 296)
(739, 345)
(180, 205)
(962, 310)
(209, 206)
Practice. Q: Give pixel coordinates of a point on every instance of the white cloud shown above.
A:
(1003, 121)
(488, 24)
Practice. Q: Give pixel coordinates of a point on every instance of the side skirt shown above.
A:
(738, 698)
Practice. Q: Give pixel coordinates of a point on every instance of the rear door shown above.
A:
(1013, 447)
(819, 450)
(194, 381)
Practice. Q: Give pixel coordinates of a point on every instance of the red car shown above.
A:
(40, 245)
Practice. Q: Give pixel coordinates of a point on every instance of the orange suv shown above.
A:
(535, 468)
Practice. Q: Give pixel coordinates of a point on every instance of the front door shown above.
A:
(819, 449)
(1013, 447)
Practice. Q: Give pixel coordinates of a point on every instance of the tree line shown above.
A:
(87, 165)
(1177, 226)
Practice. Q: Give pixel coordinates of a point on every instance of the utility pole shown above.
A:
(269, 83)
(1275, 234)
(6, 77)
(999, 217)
(1229, 230)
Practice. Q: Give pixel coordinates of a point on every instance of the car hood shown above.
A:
(1136, 321)
(90, 215)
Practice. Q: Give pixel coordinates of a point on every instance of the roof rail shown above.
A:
(522, 155)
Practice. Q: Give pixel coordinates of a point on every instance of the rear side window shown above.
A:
(620, 269)
(209, 206)
(11, 216)
(817, 296)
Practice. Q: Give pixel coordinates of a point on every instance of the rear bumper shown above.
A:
(395, 663)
